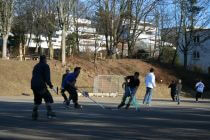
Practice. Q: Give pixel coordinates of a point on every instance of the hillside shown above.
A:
(15, 75)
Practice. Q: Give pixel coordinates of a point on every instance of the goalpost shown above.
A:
(108, 85)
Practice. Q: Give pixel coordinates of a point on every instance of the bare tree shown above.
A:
(6, 17)
(102, 21)
(164, 34)
(22, 25)
(50, 23)
(81, 10)
(138, 13)
(109, 20)
(192, 16)
(64, 8)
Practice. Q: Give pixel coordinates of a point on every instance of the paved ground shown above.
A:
(164, 121)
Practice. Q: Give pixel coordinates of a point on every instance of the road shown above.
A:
(164, 120)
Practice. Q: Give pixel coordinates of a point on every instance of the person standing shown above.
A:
(178, 91)
(173, 89)
(40, 80)
(69, 85)
(66, 100)
(150, 84)
(199, 87)
(130, 85)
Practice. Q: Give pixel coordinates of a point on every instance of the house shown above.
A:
(146, 37)
(89, 40)
(198, 56)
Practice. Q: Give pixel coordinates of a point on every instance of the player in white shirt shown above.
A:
(199, 87)
(150, 84)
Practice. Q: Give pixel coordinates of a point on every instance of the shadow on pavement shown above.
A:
(94, 123)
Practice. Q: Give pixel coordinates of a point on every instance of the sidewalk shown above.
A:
(164, 102)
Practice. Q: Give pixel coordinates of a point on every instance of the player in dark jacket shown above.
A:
(69, 85)
(40, 80)
(131, 85)
(173, 89)
(66, 100)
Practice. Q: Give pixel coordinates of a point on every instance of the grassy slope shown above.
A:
(15, 75)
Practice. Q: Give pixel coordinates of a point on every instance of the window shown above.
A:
(196, 39)
(196, 55)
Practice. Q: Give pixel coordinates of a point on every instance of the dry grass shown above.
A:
(15, 76)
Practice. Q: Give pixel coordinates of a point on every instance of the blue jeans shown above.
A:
(148, 96)
(178, 99)
(130, 91)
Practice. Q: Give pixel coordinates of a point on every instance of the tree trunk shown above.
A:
(174, 58)
(110, 46)
(51, 51)
(160, 55)
(63, 46)
(24, 51)
(107, 44)
(77, 40)
(77, 37)
(130, 49)
(95, 52)
(21, 51)
(29, 39)
(4, 49)
(185, 60)
(8, 15)
(122, 49)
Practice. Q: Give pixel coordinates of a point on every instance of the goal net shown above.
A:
(108, 85)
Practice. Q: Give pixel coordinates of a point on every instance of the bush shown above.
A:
(197, 69)
(141, 54)
(167, 55)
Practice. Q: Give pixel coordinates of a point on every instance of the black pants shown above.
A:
(64, 95)
(42, 93)
(173, 95)
(73, 93)
(198, 95)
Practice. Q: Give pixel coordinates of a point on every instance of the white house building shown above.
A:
(146, 36)
(199, 53)
(84, 29)
(90, 40)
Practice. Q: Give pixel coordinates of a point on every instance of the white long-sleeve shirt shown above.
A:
(150, 80)
(199, 87)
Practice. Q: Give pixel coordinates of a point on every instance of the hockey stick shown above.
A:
(55, 90)
(85, 94)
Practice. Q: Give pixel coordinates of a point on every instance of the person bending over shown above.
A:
(69, 85)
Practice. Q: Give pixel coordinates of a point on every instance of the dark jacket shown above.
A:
(41, 76)
(63, 78)
(70, 78)
(133, 83)
(173, 88)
